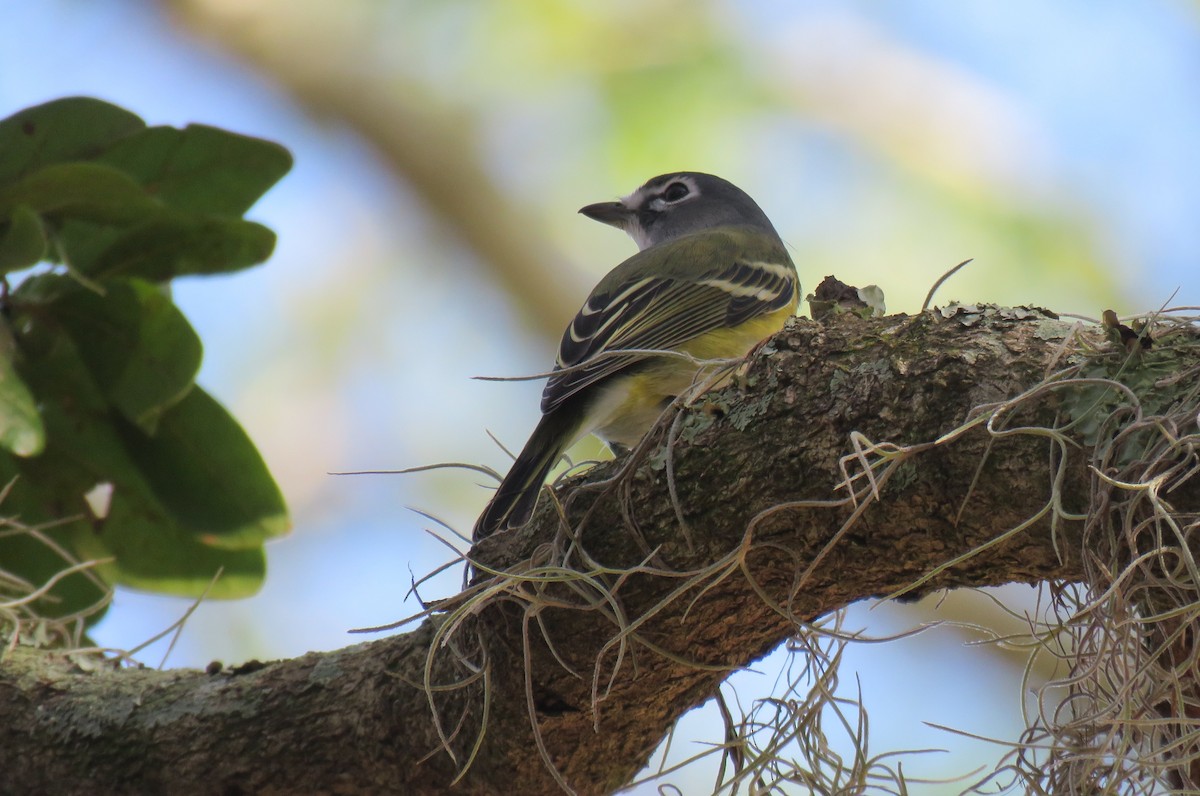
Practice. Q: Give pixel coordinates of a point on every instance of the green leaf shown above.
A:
(152, 553)
(28, 556)
(88, 191)
(208, 474)
(81, 450)
(138, 346)
(82, 447)
(22, 240)
(75, 128)
(177, 244)
(201, 169)
(21, 429)
(87, 445)
(162, 363)
(210, 175)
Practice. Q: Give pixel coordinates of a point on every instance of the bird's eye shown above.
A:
(675, 191)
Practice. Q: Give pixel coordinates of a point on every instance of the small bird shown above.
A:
(711, 280)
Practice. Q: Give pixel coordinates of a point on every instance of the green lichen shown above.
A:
(1095, 408)
(1050, 329)
(972, 314)
(747, 410)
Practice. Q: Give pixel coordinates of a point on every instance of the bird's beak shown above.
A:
(615, 214)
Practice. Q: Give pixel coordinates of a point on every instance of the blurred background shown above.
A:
(428, 234)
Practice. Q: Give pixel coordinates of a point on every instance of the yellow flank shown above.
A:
(628, 406)
(736, 341)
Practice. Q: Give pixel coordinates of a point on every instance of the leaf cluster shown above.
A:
(110, 451)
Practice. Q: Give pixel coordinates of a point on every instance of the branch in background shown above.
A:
(427, 145)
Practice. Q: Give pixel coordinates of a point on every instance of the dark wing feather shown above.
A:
(660, 313)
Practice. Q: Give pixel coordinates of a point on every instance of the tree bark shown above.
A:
(677, 592)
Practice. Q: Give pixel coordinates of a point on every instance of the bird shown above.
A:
(712, 279)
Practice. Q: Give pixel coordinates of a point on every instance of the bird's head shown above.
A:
(679, 203)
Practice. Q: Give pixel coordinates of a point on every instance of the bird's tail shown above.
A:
(513, 503)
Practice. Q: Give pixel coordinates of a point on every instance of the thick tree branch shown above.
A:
(663, 612)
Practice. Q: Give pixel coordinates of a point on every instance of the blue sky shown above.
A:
(1111, 91)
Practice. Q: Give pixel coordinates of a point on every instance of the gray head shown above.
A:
(680, 203)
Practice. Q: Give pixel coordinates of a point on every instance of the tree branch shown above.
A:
(626, 601)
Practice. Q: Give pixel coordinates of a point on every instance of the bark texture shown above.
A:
(749, 465)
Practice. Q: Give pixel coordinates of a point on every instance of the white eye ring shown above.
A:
(675, 192)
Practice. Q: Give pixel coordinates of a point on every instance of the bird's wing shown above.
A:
(663, 313)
